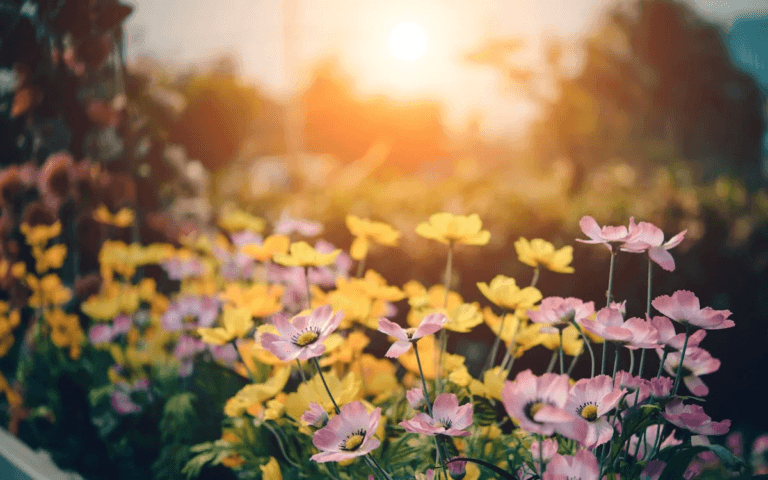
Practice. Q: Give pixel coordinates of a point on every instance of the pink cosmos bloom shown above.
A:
(538, 403)
(632, 384)
(660, 387)
(121, 325)
(121, 402)
(179, 269)
(633, 333)
(302, 336)
(583, 466)
(100, 333)
(234, 265)
(415, 397)
(735, 442)
(457, 469)
(542, 452)
(697, 362)
(187, 347)
(605, 235)
(591, 399)
(560, 312)
(648, 237)
(326, 276)
(683, 307)
(647, 441)
(224, 353)
(246, 237)
(348, 435)
(448, 418)
(315, 416)
(287, 225)
(428, 475)
(670, 340)
(429, 325)
(644, 334)
(760, 445)
(190, 312)
(693, 418)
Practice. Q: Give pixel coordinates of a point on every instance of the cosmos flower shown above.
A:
(448, 418)
(237, 323)
(347, 435)
(429, 325)
(540, 252)
(557, 312)
(504, 292)
(190, 311)
(583, 466)
(366, 231)
(605, 235)
(315, 416)
(646, 442)
(415, 397)
(302, 336)
(449, 228)
(592, 399)
(683, 307)
(670, 340)
(648, 237)
(693, 418)
(302, 254)
(697, 362)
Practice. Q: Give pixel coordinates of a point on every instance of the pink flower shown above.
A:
(415, 397)
(448, 418)
(633, 333)
(672, 340)
(583, 466)
(605, 235)
(190, 312)
(542, 452)
(348, 435)
(591, 399)
(429, 325)
(121, 324)
(644, 334)
(693, 418)
(653, 470)
(457, 469)
(660, 387)
(697, 362)
(302, 336)
(100, 333)
(648, 237)
(315, 416)
(180, 269)
(561, 312)
(647, 441)
(632, 385)
(538, 403)
(287, 225)
(683, 307)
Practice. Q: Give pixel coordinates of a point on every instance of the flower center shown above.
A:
(446, 423)
(189, 319)
(589, 412)
(306, 338)
(409, 332)
(353, 441)
(533, 408)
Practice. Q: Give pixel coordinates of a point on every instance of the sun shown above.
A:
(407, 41)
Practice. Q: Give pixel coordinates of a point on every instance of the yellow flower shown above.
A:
(14, 399)
(540, 252)
(378, 375)
(66, 331)
(511, 324)
(313, 390)
(460, 377)
(303, 255)
(101, 308)
(237, 323)
(530, 336)
(463, 318)
(257, 393)
(275, 407)
(349, 349)
(449, 228)
(272, 245)
(234, 460)
(40, 234)
(47, 291)
(365, 231)
(238, 220)
(504, 292)
(271, 471)
(18, 270)
(123, 218)
(259, 299)
(49, 259)
(423, 302)
(372, 285)
(7, 325)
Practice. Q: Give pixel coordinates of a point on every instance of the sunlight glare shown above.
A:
(407, 41)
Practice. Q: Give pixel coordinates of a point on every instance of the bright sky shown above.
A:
(191, 31)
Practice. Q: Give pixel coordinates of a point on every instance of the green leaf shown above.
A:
(484, 412)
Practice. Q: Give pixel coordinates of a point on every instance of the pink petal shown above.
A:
(398, 348)
(392, 329)
(590, 228)
(430, 324)
(663, 258)
(696, 386)
(675, 241)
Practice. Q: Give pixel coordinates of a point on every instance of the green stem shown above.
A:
(361, 266)
(661, 365)
(495, 348)
(632, 362)
(552, 361)
(615, 362)
(423, 381)
(682, 359)
(448, 270)
(320, 372)
(535, 278)
(589, 348)
(602, 362)
(560, 350)
(387, 476)
(608, 303)
(301, 371)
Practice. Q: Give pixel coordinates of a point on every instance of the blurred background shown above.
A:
(531, 114)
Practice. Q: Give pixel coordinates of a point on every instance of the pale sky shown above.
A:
(191, 31)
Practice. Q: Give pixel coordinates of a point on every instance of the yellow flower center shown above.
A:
(306, 338)
(589, 412)
(533, 408)
(353, 443)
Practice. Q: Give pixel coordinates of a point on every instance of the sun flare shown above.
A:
(407, 41)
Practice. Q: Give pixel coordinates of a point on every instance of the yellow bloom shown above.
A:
(365, 231)
(372, 285)
(123, 218)
(49, 259)
(257, 393)
(234, 460)
(504, 292)
(7, 325)
(511, 324)
(540, 252)
(344, 391)
(238, 220)
(423, 302)
(449, 228)
(303, 255)
(66, 331)
(463, 318)
(348, 349)
(378, 377)
(259, 299)
(275, 407)
(460, 377)
(272, 245)
(237, 323)
(271, 471)
(101, 308)
(530, 336)
(18, 269)
(14, 399)
(47, 291)
(40, 234)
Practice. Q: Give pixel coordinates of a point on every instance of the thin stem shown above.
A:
(448, 270)
(245, 365)
(309, 292)
(615, 362)
(589, 348)
(552, 361)
(562, 362)
(301, 371)
(632, 362)
(387, 476)
(423, 382)
(661, 365)
(602, 362)
(648, 297)
(361, 266)
(535, 278)
(609, 296)
(443, 333)
(495, 348)
(320, 372)
(682, 359)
